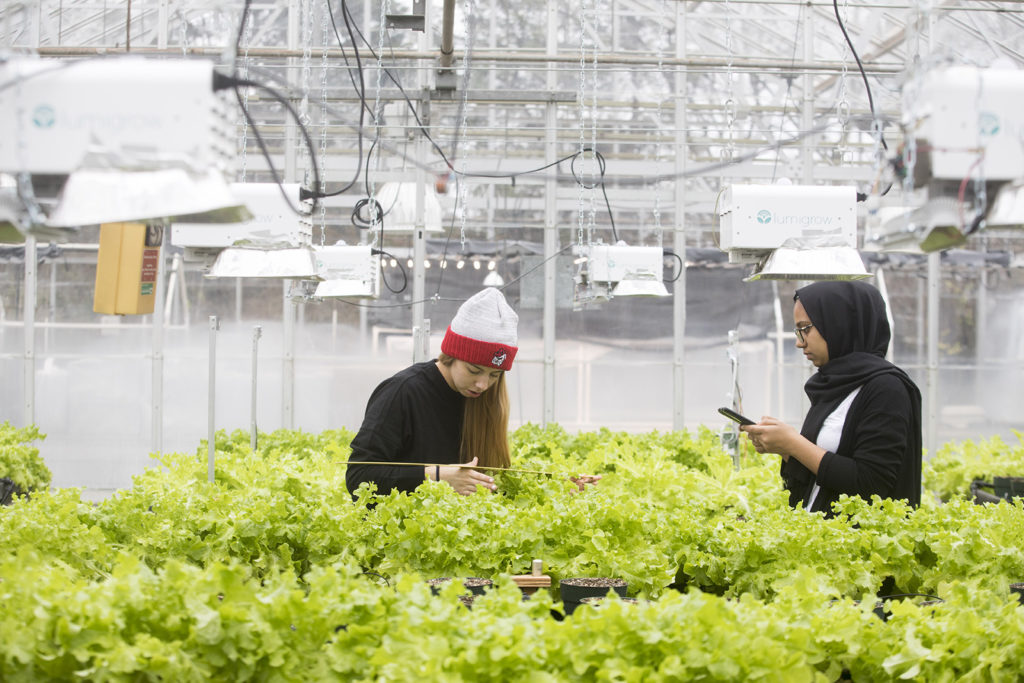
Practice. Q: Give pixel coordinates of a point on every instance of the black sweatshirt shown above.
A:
(413, 416)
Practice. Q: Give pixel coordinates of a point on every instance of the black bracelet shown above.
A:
(437, 473)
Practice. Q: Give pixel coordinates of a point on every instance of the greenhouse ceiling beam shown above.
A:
(737, 63)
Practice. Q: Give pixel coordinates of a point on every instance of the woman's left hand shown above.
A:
(584, 480)
(772, 436)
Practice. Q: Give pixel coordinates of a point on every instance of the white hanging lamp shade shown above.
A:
(291, 262)
(640, 286)
(811, 263)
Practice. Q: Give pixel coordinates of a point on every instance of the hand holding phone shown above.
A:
(736, 417)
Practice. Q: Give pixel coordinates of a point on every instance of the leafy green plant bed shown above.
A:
(21, 468)
(272, 572)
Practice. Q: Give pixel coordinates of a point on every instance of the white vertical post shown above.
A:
(679, 233)
(211, 429)
(550, 227)
(257, 332)
(931, 407)
(31, 280)
(157, 369)
(288, 362)
(420, 328)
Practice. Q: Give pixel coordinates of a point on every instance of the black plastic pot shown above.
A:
(1018, 588)
(8, 489)
(1008, 488)
(574, 590)
(437, 584)
(1003, 488)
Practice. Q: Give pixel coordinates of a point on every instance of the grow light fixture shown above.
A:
(288, 262)
(810, 262)
(274, 223)
(792, 232)
(964, 126)
(115, 140)
(347, 271)
(605, 271)
(934, 226)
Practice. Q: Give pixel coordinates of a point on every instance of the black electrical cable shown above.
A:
(863, 75)
(679, 258)
(601, 166)
(405, 276)
(222, 82)
(867, 87)
(360, 89)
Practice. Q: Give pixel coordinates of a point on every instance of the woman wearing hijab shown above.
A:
(446, 411)
(862, 434)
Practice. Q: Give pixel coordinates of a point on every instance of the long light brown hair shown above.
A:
(485, 424)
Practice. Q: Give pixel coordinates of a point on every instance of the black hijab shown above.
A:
(851, 318)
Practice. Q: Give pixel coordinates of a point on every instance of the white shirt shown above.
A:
(831, 432)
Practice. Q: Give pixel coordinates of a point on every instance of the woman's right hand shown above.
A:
(465, 480)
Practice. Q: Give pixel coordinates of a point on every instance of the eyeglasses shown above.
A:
(801, 331)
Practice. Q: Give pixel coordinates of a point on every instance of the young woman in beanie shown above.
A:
(446, 411)
(862, 434)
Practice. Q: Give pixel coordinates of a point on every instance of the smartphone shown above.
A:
(736, 417)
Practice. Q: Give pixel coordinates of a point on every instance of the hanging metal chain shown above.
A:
(594, 170)
(729, 152)
(374, 230)
(581, 96)
(306, 11)
(658, 148)
(463, 122)
(324, 63)
(242, 122)
(184, 31)
(843, 106)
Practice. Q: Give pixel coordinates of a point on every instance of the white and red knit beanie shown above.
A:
(483, 331)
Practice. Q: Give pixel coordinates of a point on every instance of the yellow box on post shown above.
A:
(126, 268)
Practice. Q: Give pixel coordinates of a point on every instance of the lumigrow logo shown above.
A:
(988, 124)
(44, 116)
(764, 216)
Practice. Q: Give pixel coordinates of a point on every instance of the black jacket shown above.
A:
(413, 416)
(876, 453)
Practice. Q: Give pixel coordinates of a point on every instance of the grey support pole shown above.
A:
(931, 412)
(212, 393)
(31, 277)
(157, 409)
(257, 332)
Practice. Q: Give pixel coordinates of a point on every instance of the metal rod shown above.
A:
(434, 464)
(212, 392)
(447, 31)
(486, 55)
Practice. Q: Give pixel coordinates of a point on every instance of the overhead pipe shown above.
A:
(490, 55)
(447, 32)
